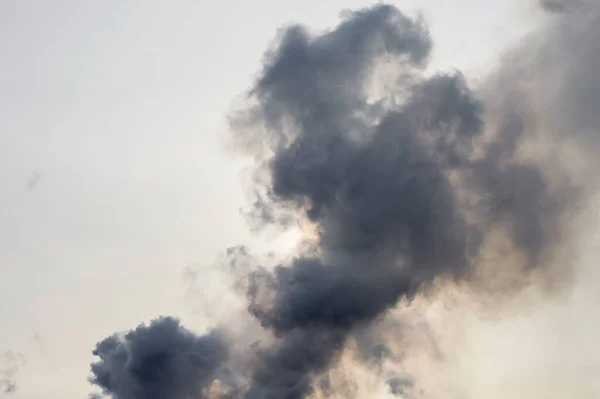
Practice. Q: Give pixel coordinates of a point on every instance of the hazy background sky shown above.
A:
(120, 107)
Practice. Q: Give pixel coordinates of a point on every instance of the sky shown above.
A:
(114, 178)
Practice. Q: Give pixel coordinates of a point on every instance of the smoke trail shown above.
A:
(408, 189)
(10, 363)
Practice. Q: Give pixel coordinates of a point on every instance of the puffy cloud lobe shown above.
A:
(161, 360)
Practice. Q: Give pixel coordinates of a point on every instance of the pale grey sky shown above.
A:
(120, 106)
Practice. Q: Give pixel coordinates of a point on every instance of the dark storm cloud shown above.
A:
(404, 188)
(160, 360)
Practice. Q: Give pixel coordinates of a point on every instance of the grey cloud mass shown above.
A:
(407, 189)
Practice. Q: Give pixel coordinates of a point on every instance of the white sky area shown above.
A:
(120, 107)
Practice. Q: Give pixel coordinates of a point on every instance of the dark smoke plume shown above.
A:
(554, 5)
(159, 360)
(560, 6)
(410, 184)
(10, 363)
